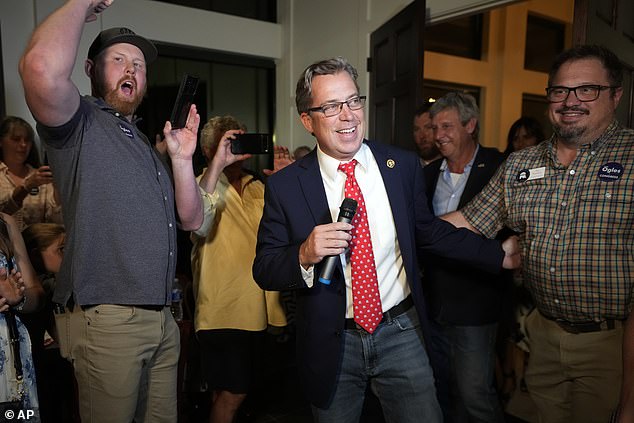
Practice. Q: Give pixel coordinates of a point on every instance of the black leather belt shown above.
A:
(152, 307)
(587, 327)
(61, 309)
(397, 310)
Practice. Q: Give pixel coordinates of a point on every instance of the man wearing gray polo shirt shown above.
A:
(118, 200)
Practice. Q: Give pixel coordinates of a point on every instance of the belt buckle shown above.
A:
(586, 327)
(608, 324)
(568, 326)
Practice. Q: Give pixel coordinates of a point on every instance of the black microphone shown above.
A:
(346, 213)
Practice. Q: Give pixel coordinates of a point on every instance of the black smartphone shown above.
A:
(184, 100)
(252, 144)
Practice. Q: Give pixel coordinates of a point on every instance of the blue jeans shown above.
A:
(471, 373)
(393, 362)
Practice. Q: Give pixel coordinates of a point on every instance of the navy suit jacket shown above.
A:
(295, 202)
(461, 295)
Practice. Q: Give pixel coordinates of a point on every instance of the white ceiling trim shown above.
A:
(443, 10)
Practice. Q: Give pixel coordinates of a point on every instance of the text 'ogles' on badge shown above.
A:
(611, 172)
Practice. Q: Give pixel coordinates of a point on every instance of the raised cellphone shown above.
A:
(184, 100)
(252, 144)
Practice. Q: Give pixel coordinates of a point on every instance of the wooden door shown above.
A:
(610, 23)
(396, 75)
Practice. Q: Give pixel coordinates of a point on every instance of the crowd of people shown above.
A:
(438, 283)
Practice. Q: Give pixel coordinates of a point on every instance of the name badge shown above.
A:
(127, 131)
(530, 174)
(611, 172)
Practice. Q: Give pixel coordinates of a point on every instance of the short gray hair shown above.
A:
(304, 92)
(465, 104)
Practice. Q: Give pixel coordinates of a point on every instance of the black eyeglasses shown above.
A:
(334, 108)
(584, 93)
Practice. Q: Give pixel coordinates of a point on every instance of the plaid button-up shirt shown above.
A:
(576, 224)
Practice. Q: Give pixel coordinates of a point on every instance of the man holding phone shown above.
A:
(365, 328)
(116, 277)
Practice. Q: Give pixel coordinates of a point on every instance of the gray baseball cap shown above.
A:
(111, 36)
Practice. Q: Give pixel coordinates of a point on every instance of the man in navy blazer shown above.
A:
(464, 303)
(337, 359)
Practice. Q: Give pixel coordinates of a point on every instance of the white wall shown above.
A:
(307, 31)
(152, 19)
(315, 30)
(16, 24)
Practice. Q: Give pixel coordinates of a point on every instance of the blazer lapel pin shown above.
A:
(390, 163)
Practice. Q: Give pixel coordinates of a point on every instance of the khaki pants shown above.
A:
(125, 361)
(573, 377)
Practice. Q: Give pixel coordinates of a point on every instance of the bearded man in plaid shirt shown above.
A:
(570, 199)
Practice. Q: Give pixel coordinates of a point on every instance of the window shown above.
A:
(238, 85)
(544, 41)
(433, 90)
(458, 37)
(262, 10)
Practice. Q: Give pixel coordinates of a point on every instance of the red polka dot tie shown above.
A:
(366, 300)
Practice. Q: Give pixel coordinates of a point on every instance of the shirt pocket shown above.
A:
(530, 205)
(607, 209)
(605, 235)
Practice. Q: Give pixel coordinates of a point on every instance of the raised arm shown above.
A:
(181, 144)
(223, 157)
(49, 59)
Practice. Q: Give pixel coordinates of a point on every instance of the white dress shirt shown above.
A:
(390, 271)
